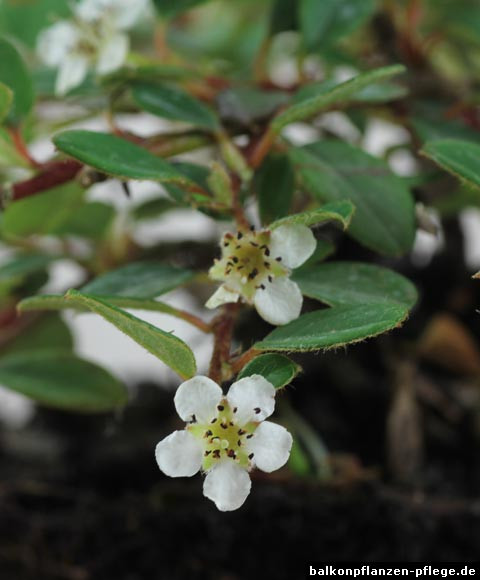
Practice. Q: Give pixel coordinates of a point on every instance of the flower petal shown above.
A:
(127, 12)
(253, 397)
(280, 302)
(198, 396)
(228, 485)
(112, 54)
(179, 454)
(71, 73)
(55, 42)
(271, 445)
(222, 296)
(294, 243)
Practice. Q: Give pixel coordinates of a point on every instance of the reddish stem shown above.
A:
(53, 174)
(223, 330)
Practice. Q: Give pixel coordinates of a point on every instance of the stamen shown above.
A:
(279, 259)
(239, 443)
(207, 453)
(266, 264)
(194, 419)
(250, 436)
(257, 410)
(253, 274)
(251, 456)
(254, 244)
(213, 420)
(216, 453)
(241, 432)
(231, 453)
(220, 407)
(235, 409)
(239, 235)
(235, 259)
(270, 279)
(223, 425)
(208, 433)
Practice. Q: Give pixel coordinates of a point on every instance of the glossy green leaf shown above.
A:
(164, 345)
(461, 158)
(335, 97)
(48, 332)
(44, 213)
(118, 157)
(278, 369)
(14, 74)
(338, 211)
(384, 217)
(374, 93)
(59, 379)
(138, 280)
(6, 98)
(334, 327)
(173, 103)
(337, 283)
(274, 185)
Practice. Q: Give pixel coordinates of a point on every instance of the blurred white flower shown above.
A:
(256, 265)
(225, 437)
(94, 37)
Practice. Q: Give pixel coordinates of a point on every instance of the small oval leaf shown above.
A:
(278, 369)
(118, 157)
(461, 158)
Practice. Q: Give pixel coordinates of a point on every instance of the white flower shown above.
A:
(225, 437)
(93, 38)
(256, 266)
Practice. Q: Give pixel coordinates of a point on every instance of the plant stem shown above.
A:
(223, 330)
(238, 364)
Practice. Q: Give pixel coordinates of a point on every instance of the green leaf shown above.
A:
(59, 379)
(14, 74)
(172, 8)
(327, 21)
(283, 16)
(164, 345)
(153, 208)
(461, 158)
(25, 19)
(374, 93)
(336, 97)
(6, 98)
(337, 283)
(173, 103)
(43, 213)
(384, 217)
(334, 327)
(138, 280)
(278, 369)
(339, 211)
(91, 220)
(118, 157)
(48, 332)
(275, 185)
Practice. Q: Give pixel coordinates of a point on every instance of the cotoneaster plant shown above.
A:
(205, 121)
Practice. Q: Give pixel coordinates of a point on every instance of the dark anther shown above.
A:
(220, 407)
(231, 453)
(208, 433)
(254, 244)
(225, 244)
(235, 409)
(262, 286)
(253, 274)
(267, 252)
(239, 443)
(237, 247)
(240, 268)
(223, 426)
(228, 271)
(216, 453)
(257, 410)
(252, 228)
(251, 455)
(235, 259)
(194, 419)
(266, 264)
(239, 235)
(207, 453)
(241, 432)
(250, 436)
(279, 259)
(231, 423)
(270, 279)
